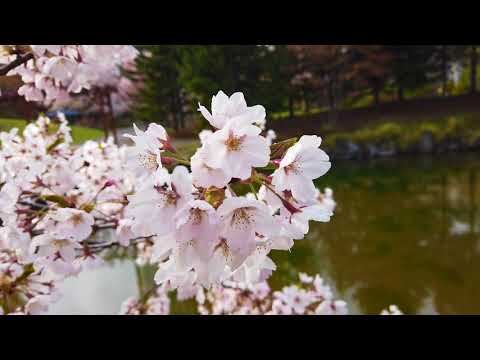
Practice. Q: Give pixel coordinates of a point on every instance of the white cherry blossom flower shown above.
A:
(153, 207)
(40, 50)
(204, 135)
(271, 136)
(204, 175)
(302, 163)
(226, 108)
(332, 307)
(60, 68)
(236, 149)
(241, 219)
(46, 247)
(149, 145)
(392, 310)
(298, 299)
(197, 222)
(71, 224)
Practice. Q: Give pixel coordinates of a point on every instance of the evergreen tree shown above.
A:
(161, 97)
(412, 66)
(207, 69)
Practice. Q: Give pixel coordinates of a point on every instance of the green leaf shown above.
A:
(53, 145)
(60, 200)
(279, 149)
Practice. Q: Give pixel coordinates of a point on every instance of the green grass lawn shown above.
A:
(79, 134)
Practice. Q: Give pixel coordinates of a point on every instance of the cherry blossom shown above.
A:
(238, 298)
(156, 304)
(149, 145)
(270, 136)
(329, 307)
(155, 204)
(71, 224)
(241, 219)
(54, 71)
(204, 175)
(391, 310)
(236, 149)
(65, 207)
(302, 163)
(225, 108)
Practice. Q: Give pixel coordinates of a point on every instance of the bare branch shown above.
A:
(20, 60)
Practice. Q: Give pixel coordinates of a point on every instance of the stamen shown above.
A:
(196, 216)
(242, 219)
(293, 168)
(149, 161)
(234, 143)
(76, 219)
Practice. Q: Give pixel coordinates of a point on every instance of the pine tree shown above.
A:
(207, 69)
(412, 66)
(161, 97)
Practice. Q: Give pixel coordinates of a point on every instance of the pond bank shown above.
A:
(453, 134)
(386, 139)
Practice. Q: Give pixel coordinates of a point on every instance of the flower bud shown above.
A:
(214, 196)
(88, 207)
(109, 183)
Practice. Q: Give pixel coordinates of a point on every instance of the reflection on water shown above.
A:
(406, 232)
(97, 292)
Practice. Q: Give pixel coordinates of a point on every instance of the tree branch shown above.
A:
(20, 60)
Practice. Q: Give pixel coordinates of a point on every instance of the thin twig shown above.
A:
(20, 60)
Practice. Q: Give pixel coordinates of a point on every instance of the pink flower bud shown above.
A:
(109, 183)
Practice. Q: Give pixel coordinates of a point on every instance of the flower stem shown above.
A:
(253, 190)
(140, 283)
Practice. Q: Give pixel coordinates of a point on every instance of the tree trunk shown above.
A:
(103, 118)
(400, 93)
(473, 69)
(290, 107)
(181, 116)
(113, 126)
(376, 93)
(174, 113)
(175, 121)
(473, 207)
(331, 96)
(306, 101)
(332, 103)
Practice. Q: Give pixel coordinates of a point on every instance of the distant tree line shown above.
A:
(287, 77)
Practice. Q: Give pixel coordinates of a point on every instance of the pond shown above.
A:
(405, 232)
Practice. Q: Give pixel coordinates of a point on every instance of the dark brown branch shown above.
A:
(20, 60)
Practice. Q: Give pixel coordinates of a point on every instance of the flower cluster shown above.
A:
(204, 227)
(54, 200)
(203, 220)
(22, 289)
(157, 303)
(52, 72)
(392, 310)
(310, 297)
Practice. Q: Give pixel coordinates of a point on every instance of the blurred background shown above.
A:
(401, 124)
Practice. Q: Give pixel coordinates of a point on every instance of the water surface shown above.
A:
(405, 232)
